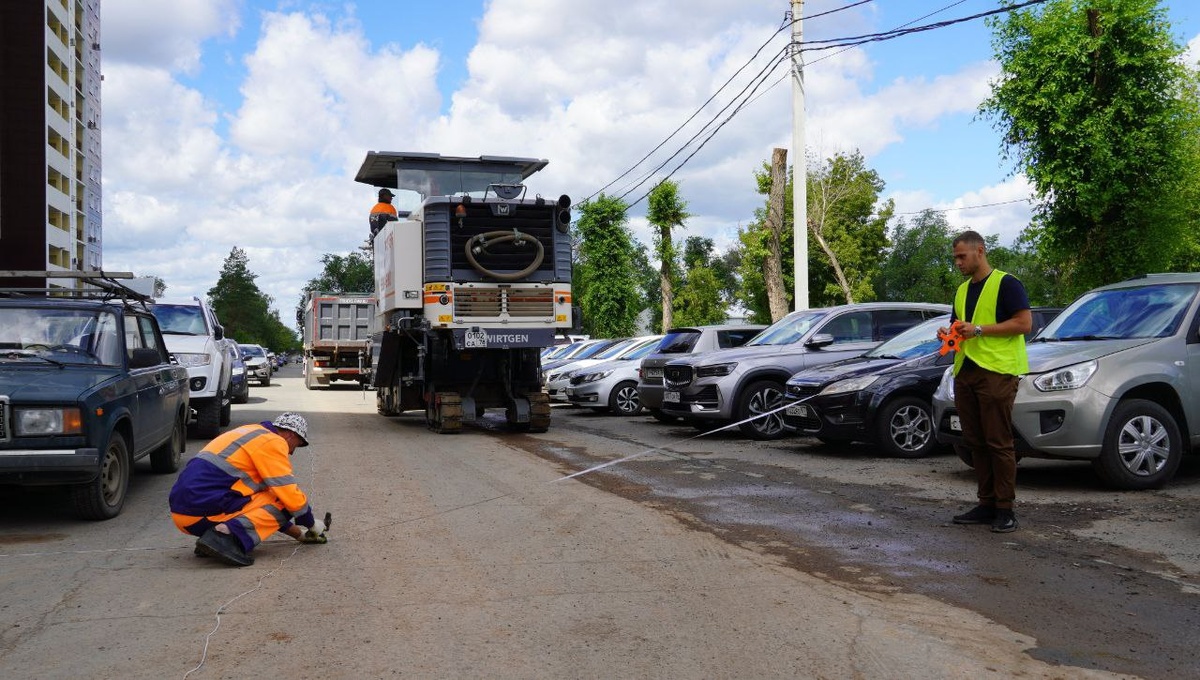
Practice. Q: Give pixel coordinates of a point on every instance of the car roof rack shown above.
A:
(106, 286)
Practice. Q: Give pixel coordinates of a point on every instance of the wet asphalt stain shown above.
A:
(1088, 603)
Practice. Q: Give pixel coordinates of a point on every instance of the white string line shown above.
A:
(312, 475)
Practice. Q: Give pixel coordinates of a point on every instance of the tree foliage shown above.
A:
(665, 211)
(608, 293)
(244, 310)
(702, 296)
(1098, 110)
(919, 266)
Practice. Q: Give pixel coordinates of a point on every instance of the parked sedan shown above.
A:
(558, 377)
(613, 385)
(882, 397)
(239, 385)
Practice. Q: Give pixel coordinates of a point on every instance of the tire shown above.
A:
(661, 417)
(208, 419)
(623, 400)
(243, 397)
(761, 397)
(906, 428)
(166, 458)
(1142, 446)
(103, 497)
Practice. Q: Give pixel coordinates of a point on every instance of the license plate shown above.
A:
(671, 396)
(955, 424)
(800, 410)
(475, 339)
(654, 372)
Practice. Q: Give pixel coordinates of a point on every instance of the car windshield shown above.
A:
(616, 350)
(640, 350)
(59, 336)
(593, 350)
(249, 351)
(787, 330)
(915, 342)
(180, 319)
(679, 342)
(1151, 311)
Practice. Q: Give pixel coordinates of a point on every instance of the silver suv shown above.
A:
(1114, 379)
(730, 385)
(680, 341)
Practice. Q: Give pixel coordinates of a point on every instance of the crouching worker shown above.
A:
(240, 489)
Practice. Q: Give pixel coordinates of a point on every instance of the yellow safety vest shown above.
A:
(998, 354)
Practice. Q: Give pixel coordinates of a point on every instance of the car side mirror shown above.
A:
(819, 340)
(219, 332)
(144, 357)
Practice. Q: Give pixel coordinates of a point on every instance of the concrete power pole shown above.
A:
(799, 164)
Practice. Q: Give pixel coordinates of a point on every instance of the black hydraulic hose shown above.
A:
(482, 241)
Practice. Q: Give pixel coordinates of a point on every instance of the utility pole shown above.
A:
(799, 161)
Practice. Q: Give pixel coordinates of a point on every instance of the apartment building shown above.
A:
(50, 214)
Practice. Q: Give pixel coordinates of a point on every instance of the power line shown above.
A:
(964, 207)
(786, 25)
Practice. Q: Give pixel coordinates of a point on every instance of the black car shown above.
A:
(883, 397)
(86, 388)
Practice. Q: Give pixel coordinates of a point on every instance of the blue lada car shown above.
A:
(86, 388)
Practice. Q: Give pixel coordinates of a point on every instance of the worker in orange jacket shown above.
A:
(383, 212)
(240, 489)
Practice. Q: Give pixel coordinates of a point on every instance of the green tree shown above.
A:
(608, 293)
(705, 278)
(844, 195)
(648, 283)
(848, 226)
(1098, 109)
(243, 309)
(665, 211)
(919, 266)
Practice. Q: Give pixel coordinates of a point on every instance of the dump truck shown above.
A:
(473, 280)
(337, 338)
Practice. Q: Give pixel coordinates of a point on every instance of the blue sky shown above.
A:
(241, 122)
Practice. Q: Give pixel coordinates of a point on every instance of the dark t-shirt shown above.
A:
(1012, 298)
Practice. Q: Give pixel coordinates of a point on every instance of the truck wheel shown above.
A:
(906, 428)
(623, 400)
(167, 457)
(539, 412)
(762, 397)
(1142, 446)
(443, 413)
(382, 396)
(208, 419)
(104, 496)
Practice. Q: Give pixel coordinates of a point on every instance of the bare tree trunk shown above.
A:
(837, 267)
(828, 195)
(773, 267)
(664, 281)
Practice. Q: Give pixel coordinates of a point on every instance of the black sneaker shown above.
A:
(980, 514)
(224, 547)
(1005, 522)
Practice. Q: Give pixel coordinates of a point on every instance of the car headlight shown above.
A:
(32, 422)
(239, 370)
(1069, 378)
(593, 377)
(189, 359)
(715, 370)
(850, 384)
(945, 388)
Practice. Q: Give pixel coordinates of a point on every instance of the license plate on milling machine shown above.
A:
(475, 339)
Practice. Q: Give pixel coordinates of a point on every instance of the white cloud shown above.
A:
(163, 34)
(1002, 209)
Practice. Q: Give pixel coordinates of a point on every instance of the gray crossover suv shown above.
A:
(1114, 379)
(730, 385)
(675, 344)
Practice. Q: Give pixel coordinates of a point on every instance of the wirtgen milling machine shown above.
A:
(473, 281)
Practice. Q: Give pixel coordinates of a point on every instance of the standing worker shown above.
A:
(240, 489)
(991, 312)
(383, 212)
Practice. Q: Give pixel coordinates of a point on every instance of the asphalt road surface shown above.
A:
(470, 555)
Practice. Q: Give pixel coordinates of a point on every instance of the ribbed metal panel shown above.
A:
(438, 259)
(488, 302)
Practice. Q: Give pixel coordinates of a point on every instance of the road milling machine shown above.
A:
(473, 280)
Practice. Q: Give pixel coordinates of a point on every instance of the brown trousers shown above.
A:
(985, 402)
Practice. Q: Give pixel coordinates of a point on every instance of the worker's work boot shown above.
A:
(223, 547)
